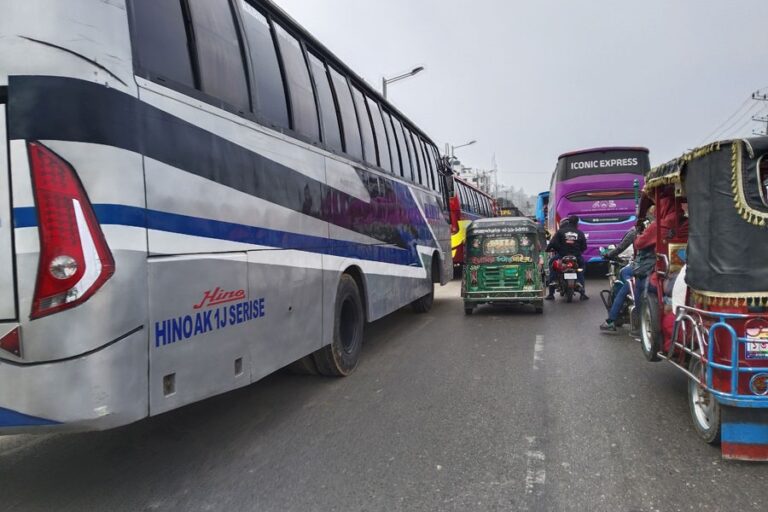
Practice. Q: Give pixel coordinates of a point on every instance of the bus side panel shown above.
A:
(7, 281)
(104, 390)
(288, 286)
(200, 316)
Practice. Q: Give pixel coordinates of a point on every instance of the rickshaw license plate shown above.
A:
(569, 276)
(757, 350)
(757, 342)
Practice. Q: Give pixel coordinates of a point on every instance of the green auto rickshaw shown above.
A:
(504, 263)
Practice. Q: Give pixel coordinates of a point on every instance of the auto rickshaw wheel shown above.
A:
(650, 328)
(539, 306)
(705, 409)
(340, 358)
(468, 309)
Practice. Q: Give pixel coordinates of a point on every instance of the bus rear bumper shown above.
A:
(102, 390)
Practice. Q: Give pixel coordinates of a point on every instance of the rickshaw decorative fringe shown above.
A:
(653, 181)
(758, 300)
(750, 215)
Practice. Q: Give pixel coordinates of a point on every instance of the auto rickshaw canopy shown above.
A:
(725, 186)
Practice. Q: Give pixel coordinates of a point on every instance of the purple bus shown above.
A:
(601, 186)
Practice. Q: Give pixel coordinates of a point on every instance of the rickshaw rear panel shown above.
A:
(504, 263)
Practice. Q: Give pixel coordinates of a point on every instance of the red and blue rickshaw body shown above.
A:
(723, 242)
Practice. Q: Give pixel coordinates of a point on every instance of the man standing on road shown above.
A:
(568, 241)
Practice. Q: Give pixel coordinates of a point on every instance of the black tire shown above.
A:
(568, 294)
(650, 328)
(704, 407)
(304, 366)
(539, 307)
(468, 310)
(341, 357)
(424, 304)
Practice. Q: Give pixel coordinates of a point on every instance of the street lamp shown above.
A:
(454, 148)
(385, 81)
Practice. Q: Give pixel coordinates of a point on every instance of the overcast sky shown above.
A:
(532, 79)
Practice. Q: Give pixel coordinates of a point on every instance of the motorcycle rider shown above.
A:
(568, 241)
(626, 273)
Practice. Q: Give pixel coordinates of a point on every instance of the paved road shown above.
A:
(504, 410)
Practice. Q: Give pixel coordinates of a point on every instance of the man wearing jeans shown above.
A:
(640, 268)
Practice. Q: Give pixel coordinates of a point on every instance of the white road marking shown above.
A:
(535, 473)
(538, 350)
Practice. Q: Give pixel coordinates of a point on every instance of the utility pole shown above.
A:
(757, 96)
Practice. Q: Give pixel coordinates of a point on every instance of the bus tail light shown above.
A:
(75, 260)
(455, 209)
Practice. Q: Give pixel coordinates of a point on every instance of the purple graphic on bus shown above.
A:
(602, 187)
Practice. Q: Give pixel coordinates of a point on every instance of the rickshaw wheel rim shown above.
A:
(645, 326)
(703, 402)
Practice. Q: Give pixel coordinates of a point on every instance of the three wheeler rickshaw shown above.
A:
(705, 307)
(504, 263)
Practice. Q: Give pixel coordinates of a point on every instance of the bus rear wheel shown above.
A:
(341, 357)
(424, 304)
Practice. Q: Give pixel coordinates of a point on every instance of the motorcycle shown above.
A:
(567, 277)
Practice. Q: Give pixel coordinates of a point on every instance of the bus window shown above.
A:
(219, 56)
(160, 41)
(463, 202)
(352, 144)
(328, 115)
(268, 88)
(429, 164)
(303, 108)
(382, 142)
(418, 159)
(389, 126)
(369, 143)
(427, 169)
(405, 157)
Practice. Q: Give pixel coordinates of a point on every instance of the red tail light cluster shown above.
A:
(455, 209)
(75, 260)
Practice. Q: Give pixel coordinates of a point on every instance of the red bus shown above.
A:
(467, 204)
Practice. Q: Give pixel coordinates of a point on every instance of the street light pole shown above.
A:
(454, 148)
(385, 81)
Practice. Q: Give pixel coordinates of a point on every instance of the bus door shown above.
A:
(7, 285)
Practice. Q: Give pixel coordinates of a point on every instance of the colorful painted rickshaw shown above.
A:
(504, 263)
(705, 309)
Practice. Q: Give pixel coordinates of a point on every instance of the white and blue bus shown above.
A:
(194, 194)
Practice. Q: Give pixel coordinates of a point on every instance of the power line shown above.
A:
(739, 131)
(737, 116)
(760, 97)
(716, 130)
(750, 111)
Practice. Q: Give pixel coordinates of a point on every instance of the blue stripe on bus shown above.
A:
(121, 215)
(745, 433)
(11, 418)
(67, 109)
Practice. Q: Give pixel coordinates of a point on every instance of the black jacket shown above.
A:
(568, 241)
(629, 239)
